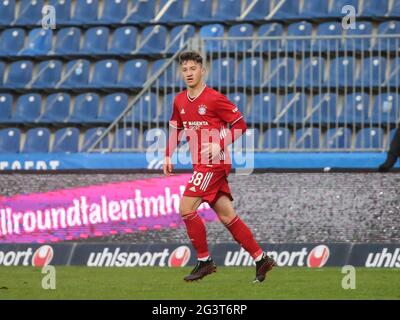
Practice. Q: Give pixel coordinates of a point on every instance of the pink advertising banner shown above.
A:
(95, 211)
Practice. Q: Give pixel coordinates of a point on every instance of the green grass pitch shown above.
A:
(167, 283)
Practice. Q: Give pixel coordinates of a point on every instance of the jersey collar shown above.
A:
(192, 99)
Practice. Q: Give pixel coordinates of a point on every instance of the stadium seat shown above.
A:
(293, 109)
(324, 109)
(6, 107)
(173, 11)
(123, 41)
(63, 11)
(311, 73)
(7, 12)
(86, 109)
(222, 73)
(280, 73)
(276, 138)
(30, 12)
(86, 12)
(114, 11)
(168, 77)
(288, 10)
(125, 138)
(315, 9)
(328, 29)
(2, 72)
(372, 73)
(212, 31)
(269, 45)
(68, 41)
(299, 29)
(164, 115)
(19, 74)
(375, 9)
(153, 40)
(178, 36)
(251, 72)
(395, 10)
(244, 30)
(386, 109)
(369, 138)
(144, 110)
(105, 74)
(90, 137)
(337, 138)
(66, 140)
(56, 109)
(351, 44)
(227, 10)
(142, 11)
(48, 75)
(198, 11)
(250, 140)
(155, 139)
(11, 42)
(385, 42)
(113, 106)
(341, 72)
(37, 141)
(76, 74)
(256, 11)
(39, 42)
(337, 5)
(10, 140)
(394, 74)
(307, 138)
(28, 108)
(134, 74)
(263, 108)
(240, 101)
(355, 110)
(95, 41)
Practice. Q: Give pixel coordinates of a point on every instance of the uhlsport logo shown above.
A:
(318, 256)
(179, 257)
(42, 256)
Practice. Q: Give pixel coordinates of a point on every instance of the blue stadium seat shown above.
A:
(337, 5)
(90, 137)
(153, 40)
(6, 106)
(386, 42)
(258, 11)
(173, 12)
(178, 36)
(123, 41)
(30, 12)
(307, 138)
(76, 74)
(37, 140)
(95, 41)
(7, 12)
(315, 9)
(48, 74)
(56, 109)
(375, 9)
(311, 72)
(324, 109)
(293, 109)
(19, 74)
(126, 138)
(356, 108)
(395, 10)
(166, 108)
(337, 138)
(105, 74)
(28, 108)
(372, 73)
(240, 31)
(251, 72)
(212, 31)
(386, 109)
(144, 110)
(198, 11)
(66, 140)
(11, 42)
(222, 72)
(39, 42)
(86, 108)
(299, 29)
(363, 28)
(113, 105)
(114, 11)
(168, 78)
(134, 74)
(2, 72)
(250, 140)
(227, 10)
(328, 29)
(155, 139)
(142, 11)
(276, 138)
(369, 138)
(86, 12)
(289, 10)
(240, 101)
(341, 72)
(10, 140)
(280, 73)
(68, 41)
(269, 30)
(63, 11)
(263, 108)
(394, 76)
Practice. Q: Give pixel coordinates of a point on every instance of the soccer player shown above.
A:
(204, 114)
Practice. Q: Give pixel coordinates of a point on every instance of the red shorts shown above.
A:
(209, 185)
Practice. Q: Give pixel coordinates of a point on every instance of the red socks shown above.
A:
(196, 231)
(242, 234)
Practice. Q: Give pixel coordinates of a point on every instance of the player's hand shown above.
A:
(167, 166)
(210, 151)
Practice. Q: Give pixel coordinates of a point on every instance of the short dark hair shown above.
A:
(190, 56)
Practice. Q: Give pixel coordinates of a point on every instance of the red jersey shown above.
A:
(210, 110)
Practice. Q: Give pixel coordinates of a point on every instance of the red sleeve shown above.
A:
(176, 121)
(227, 110)
(175, 128)
(235, 132)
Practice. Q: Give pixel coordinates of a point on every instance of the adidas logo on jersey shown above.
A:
(193, 189)
(183, 111)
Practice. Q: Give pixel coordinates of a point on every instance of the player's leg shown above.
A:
(242, 234)
(196, 231)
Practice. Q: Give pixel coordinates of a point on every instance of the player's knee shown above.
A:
(184, 209)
